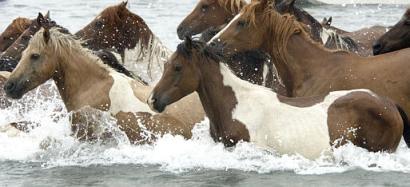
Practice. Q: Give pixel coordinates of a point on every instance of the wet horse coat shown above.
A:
(118, 28)
(239, 110)
(84, 81)
(306, 68)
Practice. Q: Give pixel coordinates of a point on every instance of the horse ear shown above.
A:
(124, 4)
(47, 16)
(40, 19)
(46, 35)
(188, 42)
(329, 21)
(285, 5)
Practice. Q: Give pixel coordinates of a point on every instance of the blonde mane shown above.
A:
(65, 45)
(21, 24)
(232, 6)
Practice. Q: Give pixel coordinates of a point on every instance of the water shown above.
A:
(173, 161)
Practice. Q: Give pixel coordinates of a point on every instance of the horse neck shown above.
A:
(307, 60)
(75, 74)
(314, 26)
(217, 99)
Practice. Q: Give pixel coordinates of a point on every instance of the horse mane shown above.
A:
(281, 28)
(66, 44)
(21, 24)
(232, 6)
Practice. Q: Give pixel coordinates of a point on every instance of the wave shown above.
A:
(51, 145)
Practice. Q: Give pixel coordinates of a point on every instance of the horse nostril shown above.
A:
(9, 86)
(377, 48)
(181, 32)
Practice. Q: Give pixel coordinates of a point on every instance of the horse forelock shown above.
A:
(232, 6)
(63, 44)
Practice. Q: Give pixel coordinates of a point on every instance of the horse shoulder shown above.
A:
(123, 96)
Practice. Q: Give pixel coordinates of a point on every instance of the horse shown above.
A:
(306, 67)
(118, 28)
(13, 31)
(86, 84)
(398, 37)
(207, 14)
(242, 111)
(364, 38)
(10, 57)
(201, 19)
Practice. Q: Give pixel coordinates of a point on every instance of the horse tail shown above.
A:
(406, 125)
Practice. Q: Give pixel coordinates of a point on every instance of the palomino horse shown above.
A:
(85, 82)
(118, 28)
(397, 38)
(308, 69)
(241, 111)
(13, 31)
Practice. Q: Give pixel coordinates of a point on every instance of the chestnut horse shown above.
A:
(200, 19)
(10, 57)
(398, 37)
(13, 31)
(118, 28)
(308, 69)
(84, 82)
(241, 111)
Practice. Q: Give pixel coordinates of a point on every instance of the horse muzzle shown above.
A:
(157, 104)
(13, 89)
(183, 32)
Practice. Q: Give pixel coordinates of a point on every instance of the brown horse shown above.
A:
(10, 57)
(209, 13)
(118, 28)
(199, 20)
(308, 69)
(398, 37)
(13, 31)
(85, 82)
(241, 111)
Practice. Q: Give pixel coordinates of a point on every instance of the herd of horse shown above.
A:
(265, 72)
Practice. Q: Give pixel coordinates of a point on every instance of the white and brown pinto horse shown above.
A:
(85, 82)
(308, 69)
(241, 111)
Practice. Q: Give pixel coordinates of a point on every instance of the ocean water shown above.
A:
(49, 156)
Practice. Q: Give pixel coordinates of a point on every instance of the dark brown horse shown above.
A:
(398, 37)
(87, 85)
(13, 31)
(241, 111)
(308, 69)
(118, 28)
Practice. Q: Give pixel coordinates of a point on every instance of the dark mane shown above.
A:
(251, 58)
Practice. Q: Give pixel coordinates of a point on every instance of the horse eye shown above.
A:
(242, 23)
(99, 24)
(178, 68)
(204, 8)
(35, 56)
(407, 22)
